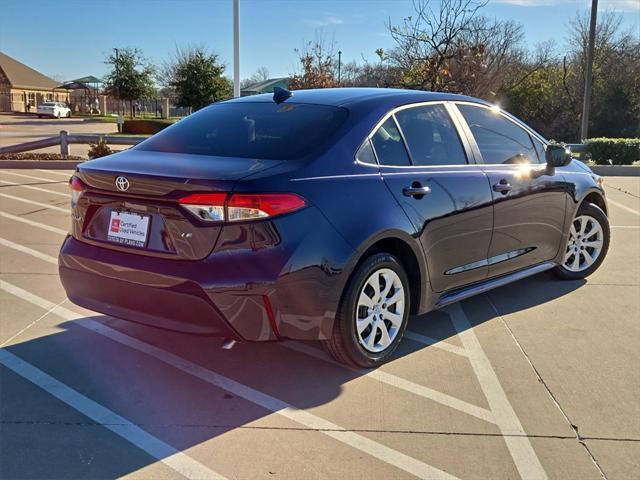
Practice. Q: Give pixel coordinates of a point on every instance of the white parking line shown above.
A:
(389, 379)
(623, 207)
(31, 187)
(309, 420)
(110, 420)
(520, 448)
(50, 180)
(32, 202)
(28, 251)
(625, 226)
(66, 174)
(416, 337)
(400, 383)
(43, 226)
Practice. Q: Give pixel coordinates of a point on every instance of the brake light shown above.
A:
(246, 207)
(220, 207)
(77, 187)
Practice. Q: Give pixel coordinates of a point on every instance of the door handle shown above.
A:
(503, 187)
(414, 191)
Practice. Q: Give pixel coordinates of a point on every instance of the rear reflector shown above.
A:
(221, 207)
(272, 317)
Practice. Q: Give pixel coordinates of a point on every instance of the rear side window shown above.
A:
(250, 130)
(431, 136)
(389, 145)
(499, 139)
(365, 153)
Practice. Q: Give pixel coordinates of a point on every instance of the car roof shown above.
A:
(349, 96)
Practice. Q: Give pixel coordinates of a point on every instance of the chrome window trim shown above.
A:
(503, 114)
(457, 125)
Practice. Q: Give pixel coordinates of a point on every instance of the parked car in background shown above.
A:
(327, 215)
(54, 110)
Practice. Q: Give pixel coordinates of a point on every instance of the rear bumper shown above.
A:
(245, 290)
(182, 310)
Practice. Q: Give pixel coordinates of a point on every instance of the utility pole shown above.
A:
(236, 48)
(339, 65)
(584, 127)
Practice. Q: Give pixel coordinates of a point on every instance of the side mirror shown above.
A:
(557, 155)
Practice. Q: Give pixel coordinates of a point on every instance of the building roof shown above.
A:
(264, 85)
(21, 76)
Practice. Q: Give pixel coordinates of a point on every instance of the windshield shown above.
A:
(250, 130)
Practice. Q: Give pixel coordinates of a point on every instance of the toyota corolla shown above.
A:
(327, 215)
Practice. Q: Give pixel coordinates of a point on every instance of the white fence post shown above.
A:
(64, 144)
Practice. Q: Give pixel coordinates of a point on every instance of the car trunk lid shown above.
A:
(130, 202)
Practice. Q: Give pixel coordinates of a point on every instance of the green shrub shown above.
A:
(616, 151)
(145, 127)
(100, 149)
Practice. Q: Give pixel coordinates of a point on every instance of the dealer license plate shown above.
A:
(128, 228)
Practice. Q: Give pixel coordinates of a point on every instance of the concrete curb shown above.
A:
(44, 164)
(616, 170)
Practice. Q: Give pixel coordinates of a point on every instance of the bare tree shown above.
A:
(261, 74)
(427, 43)
(317, 63)
(456, 49)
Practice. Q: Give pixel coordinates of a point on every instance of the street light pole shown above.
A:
(117, 80)
(339, 65)
(586, 104)
(236, 48)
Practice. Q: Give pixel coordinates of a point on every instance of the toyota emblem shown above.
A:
(122, 184)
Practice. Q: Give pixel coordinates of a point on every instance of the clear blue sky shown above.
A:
(72, 39)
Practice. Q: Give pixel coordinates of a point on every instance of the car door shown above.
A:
(529, 200)
(427, 168)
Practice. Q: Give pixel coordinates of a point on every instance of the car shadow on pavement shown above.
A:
(181, 409)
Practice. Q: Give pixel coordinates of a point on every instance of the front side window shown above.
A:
(499, 139)
(540, 150)
(389, 145)
(431, 136)
(250, 130)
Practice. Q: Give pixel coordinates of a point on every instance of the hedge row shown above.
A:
(613, 151)
(145, 127)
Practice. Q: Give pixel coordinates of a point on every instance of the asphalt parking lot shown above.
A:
(538, 379)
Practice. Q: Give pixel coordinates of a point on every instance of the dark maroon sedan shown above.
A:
(326, 215)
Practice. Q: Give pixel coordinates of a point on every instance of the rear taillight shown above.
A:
(221, 207)
(77, 187)
(206, 206)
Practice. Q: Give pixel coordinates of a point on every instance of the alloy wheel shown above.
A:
(380, 310)
(585, 243)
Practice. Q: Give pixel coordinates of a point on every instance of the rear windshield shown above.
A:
(250, 130)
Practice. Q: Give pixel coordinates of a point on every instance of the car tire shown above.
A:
(358, 338)
(587, 244)
(69, 114)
